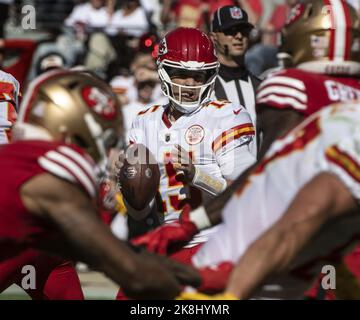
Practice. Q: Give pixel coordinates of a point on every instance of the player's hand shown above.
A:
(215, 278)
(185, 274)
(182, 162)
(160, 239)
(202, 296)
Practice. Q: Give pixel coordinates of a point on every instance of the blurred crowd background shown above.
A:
(117, 39)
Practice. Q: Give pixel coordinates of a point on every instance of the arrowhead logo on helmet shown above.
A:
(162, 47)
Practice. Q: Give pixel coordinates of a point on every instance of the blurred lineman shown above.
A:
(311, 213)
(67, 124)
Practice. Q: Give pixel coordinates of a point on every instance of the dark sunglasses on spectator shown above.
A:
(233, 31)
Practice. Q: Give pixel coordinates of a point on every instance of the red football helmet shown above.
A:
(192, 50)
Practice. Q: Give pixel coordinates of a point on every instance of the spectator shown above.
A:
(153, 10)
(268, 8)
(263, 55)
(147, 85)
(83, 41)
(4, 13)
(50, 61)
(125, 85)
(130, 20)
(2, 52)
(92, 14)
(275, 12)
(192, 13)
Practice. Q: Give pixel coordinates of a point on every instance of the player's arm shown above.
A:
(274, 123)
(85, 238)
(191, 222)
(231, 149)
(321, 199)
(207, 180)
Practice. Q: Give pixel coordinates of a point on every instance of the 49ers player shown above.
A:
(55, 278)
(200, 144)
(321, 48)
(49, 185)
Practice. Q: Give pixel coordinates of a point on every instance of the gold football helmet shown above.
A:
(323, 36)
(70, 106)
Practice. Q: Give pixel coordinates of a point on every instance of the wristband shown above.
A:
(208, 183)
(200, 218)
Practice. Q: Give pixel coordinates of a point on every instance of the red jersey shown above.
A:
(305, 92)
(21, 161)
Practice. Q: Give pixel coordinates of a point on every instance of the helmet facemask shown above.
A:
(178, 94)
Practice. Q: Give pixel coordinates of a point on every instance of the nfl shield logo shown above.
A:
(236, 13)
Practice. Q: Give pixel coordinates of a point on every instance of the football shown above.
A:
(139, 177)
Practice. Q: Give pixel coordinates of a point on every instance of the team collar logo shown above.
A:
(236, 13)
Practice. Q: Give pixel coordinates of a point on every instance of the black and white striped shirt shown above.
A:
(237, 85)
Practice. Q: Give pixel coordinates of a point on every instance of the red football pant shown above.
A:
(351, 261)
(56, 279)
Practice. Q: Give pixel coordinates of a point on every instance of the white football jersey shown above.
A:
(327, 141)
(9, 101)
(218, 138)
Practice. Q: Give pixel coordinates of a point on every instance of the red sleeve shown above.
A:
(70, 164)
(22, 66)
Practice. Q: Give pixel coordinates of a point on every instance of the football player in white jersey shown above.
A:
(201, 145)
(306, 213)
(9, 102)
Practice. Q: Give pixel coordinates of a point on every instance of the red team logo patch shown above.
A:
(99, 102)
(194, 135)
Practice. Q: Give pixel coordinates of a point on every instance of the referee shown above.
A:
(230, 30)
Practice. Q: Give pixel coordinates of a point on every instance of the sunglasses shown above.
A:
(233, 31)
